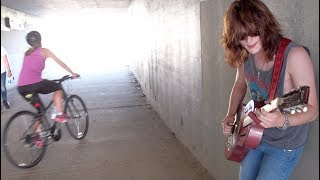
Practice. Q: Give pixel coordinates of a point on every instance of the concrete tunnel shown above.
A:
(168, 56)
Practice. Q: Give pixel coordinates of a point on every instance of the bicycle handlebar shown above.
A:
(66, 77)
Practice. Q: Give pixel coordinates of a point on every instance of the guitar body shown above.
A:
(246, 133)
(242, 138)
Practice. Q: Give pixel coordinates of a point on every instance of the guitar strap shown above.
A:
(275, 74)
(278, 66)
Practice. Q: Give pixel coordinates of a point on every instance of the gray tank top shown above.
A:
(294, 136)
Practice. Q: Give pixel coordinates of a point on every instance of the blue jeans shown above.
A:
(3, 86)
(267, 162)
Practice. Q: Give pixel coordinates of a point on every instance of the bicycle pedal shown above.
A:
(56, 134)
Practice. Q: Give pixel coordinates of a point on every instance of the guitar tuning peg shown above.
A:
(302, 108)
(305, 109)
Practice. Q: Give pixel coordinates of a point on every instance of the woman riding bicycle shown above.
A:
(30, 82)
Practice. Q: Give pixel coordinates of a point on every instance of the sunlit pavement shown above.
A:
(126, 140)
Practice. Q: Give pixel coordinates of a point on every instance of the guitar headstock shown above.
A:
(296, 100)
(291, 102)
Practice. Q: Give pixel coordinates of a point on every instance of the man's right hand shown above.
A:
(9, 73)
(227, 125)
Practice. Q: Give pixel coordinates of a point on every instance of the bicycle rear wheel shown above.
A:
(79, 123)
(22, 143)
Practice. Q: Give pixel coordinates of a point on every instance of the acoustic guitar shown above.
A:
(246, 132)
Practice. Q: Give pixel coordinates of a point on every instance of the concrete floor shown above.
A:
(126, 139)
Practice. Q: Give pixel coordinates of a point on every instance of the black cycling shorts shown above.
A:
(43, 87)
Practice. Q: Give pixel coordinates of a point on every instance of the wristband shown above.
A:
(286, 122)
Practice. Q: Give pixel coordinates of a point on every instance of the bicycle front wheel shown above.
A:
(78, 123)
(22, 143)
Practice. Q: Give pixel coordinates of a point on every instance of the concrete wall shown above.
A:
(167, 52)
(179, 64)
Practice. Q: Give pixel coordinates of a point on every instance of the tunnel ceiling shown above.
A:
(60, 7)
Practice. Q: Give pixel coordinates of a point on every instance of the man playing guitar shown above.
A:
(251, 38)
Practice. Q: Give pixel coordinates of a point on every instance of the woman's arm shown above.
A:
(49, 54)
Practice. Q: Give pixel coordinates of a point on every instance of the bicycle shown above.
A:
(35, 140)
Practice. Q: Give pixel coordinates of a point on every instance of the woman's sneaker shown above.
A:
(38, 142)
(61, 118)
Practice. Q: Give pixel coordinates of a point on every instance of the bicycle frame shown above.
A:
(42, 108)
(36, 133)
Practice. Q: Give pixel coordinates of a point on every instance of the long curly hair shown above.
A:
(249, 18)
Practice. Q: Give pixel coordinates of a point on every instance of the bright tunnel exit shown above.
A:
(88, 43)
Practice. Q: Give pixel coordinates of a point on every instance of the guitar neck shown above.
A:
(268, 107)
(273, 105)
(291, 101)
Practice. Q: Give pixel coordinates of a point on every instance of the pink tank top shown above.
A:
(32, 68)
